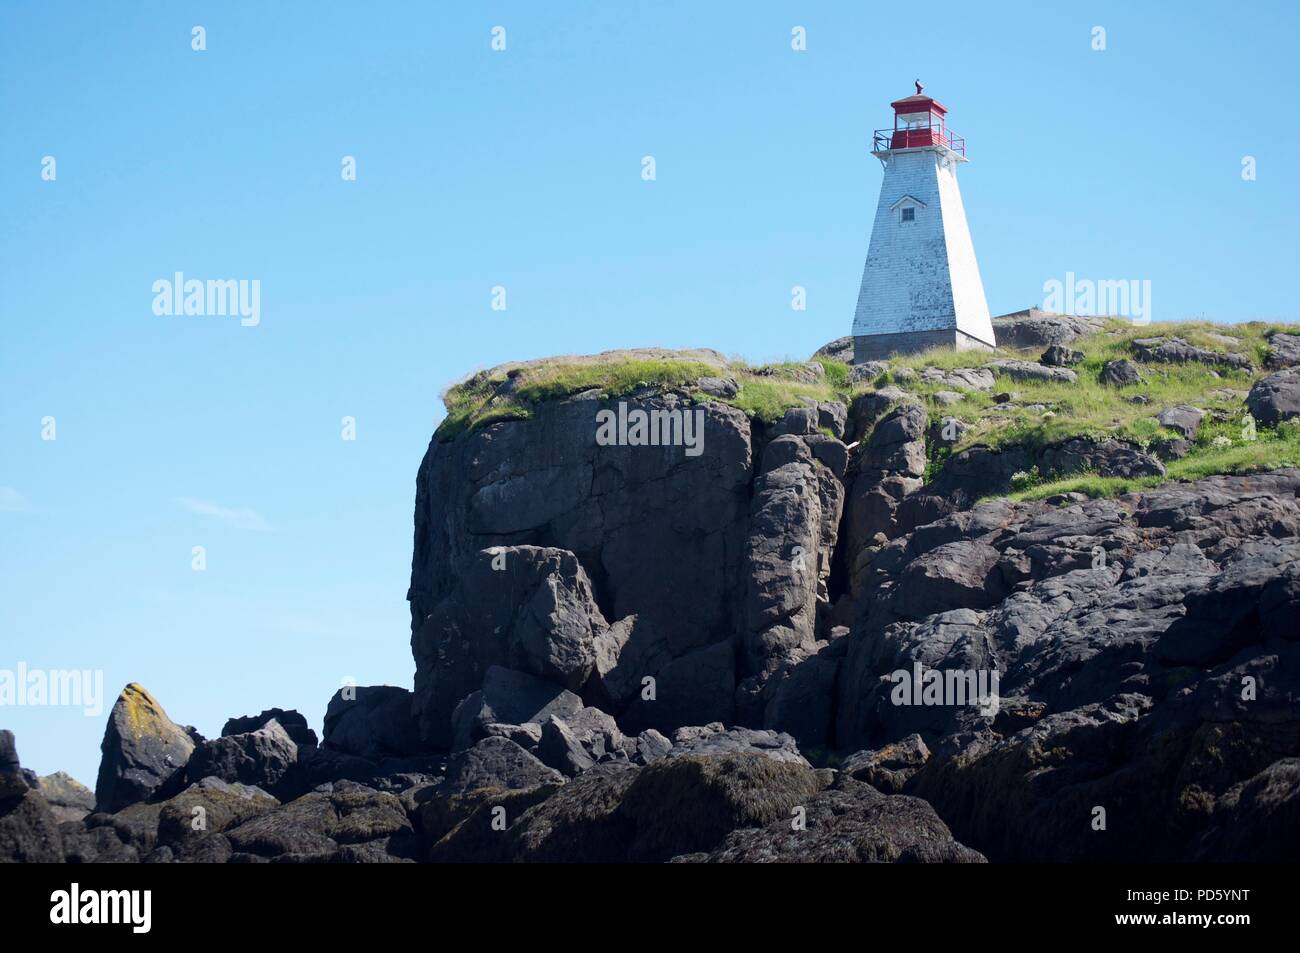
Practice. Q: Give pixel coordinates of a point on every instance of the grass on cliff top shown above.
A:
(1273, 448)
(1088, 408)
(764, 392)
(476, 402)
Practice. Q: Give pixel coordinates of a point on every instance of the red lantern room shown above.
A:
(919, 121)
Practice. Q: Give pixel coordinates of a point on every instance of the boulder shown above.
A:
(680, 805)
(511, 698)
(841, 349)
(1033, 328)
(1120, 373)
(897, 442)
(185, 827)
(357, 825)
(1102, 457)
(266, 758)
(888, 769)
(498, 763)
(580, 823)
(1183, 418)
(959, 378)
(1275, 398)
(526, 608)
(867, 372)
(578, 742)
(68, 798)
(797, 421)
(719, 386)
(373, 721)
(1283, 351)
(713, 739)
(29, 833)
(13, 782)
(294, 723)
(1058, 355)
(651, 746)
(142, 749)
(866, 409)
(1026, 371)
(1177, 351)
(849, 823)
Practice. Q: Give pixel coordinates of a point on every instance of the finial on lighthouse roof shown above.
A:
(919, 87)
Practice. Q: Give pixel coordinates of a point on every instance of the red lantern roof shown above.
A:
(918, 103)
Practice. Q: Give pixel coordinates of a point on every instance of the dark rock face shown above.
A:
(889, 469)
(1255, 821)
(142, 749)
(793, 527)
(1178, 351)
(627, 652)
(1143, 668)
(644, 521)
(697, 687)
(29, 831)
(532, 538)
(632, 654)
(1275, 398)
(977, 472)
(965, 477)
(12, 780)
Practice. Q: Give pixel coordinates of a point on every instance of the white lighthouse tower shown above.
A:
(921, 285)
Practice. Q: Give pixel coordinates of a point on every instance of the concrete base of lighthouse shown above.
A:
(878, 347)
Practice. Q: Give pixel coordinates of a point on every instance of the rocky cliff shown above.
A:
(1033, 605)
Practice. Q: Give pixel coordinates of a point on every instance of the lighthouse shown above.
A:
(921, 284)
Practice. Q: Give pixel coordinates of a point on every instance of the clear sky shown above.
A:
(522, 169)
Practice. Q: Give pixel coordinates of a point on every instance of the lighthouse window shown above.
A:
(909, 214)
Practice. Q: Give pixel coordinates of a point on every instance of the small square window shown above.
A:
(909, 214)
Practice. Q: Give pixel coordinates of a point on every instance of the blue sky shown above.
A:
(522, 169)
